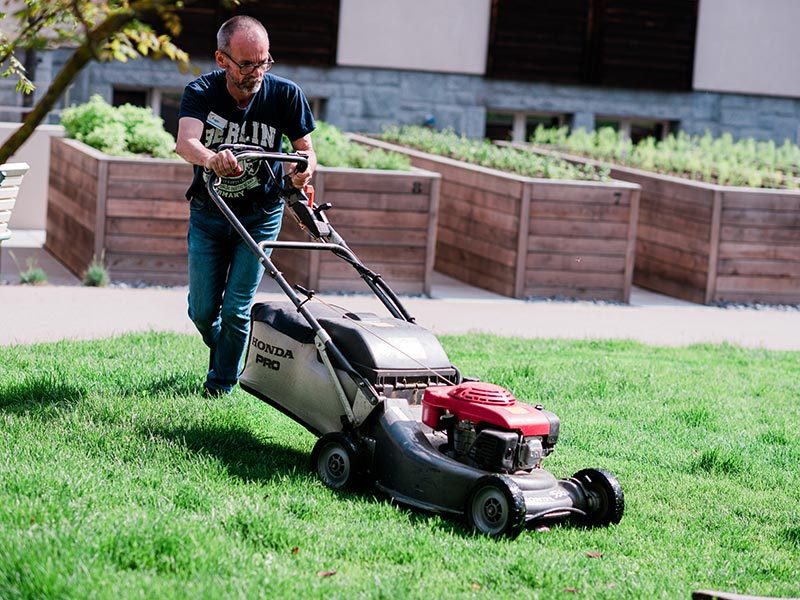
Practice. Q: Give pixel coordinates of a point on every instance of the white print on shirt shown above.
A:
(249, 132)
(234, 187)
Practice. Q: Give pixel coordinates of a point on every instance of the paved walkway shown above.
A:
(66, 310)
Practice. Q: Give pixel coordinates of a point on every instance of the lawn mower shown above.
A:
(389, 407)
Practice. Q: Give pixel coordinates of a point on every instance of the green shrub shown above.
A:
(96, 274)
(721, 160)
(484, 153)
(335, 150)
(119, 131)
(33, 274)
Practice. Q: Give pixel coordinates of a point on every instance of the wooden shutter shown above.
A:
(299, 32)
(623, 43)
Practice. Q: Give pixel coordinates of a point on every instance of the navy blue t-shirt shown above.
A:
(278, 108)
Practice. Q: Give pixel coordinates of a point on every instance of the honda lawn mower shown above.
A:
(389, 407)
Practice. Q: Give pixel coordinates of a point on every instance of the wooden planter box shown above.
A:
(133, 212)
(710, 243)
(388, 218)
(525, 237)
(129, 211)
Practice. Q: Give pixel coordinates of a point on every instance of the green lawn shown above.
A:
(118, 480)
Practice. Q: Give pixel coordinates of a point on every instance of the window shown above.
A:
(122, 96)
(636, 129)
(519, 126)
(164, 103)
(618, 43)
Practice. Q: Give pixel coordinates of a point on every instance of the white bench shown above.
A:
(10, 179)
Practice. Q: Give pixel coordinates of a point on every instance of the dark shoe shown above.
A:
(210, 392)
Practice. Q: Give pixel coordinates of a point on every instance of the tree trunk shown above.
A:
(82, 55)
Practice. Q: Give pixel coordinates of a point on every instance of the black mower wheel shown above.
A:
(605, 500)
(496, 507)
(337, 461)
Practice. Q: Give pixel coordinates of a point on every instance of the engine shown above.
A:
(487, 428)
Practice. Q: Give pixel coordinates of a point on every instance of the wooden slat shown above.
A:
(579, 192)
(768, 268)
(379, 219)
(653, 281)
(765, 251)
(672, 239)
(478, 248)
(148, 227)
(576, 262)
(774, 235)
(772, 285)
(459, 270)
(762, 200)
(68, 240)
(677, 256)
(389, 201)
(676, 223)
(471, 230)
(390, 271)
(454, 189)
(573, 279)
(144, 245)
(580, 211)
(761, 296)
(382, 254)
(377, 182)
(77, 211)
(576, 245)
(137, 190)
(675, 273)
(147, 208)
(761, 218)
(150, 170)
(578, 229)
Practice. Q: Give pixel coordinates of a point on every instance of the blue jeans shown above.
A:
(223, 278)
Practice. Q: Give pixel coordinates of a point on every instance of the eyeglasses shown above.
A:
(247, 67)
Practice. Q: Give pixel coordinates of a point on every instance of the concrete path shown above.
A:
(66, 310)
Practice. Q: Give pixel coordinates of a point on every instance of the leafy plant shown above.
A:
(118, 131)
(96, 274)
(333, 149)
(721, 160)
(33, 274)
(484, 153)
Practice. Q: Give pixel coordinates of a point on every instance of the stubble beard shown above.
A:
(249, 86)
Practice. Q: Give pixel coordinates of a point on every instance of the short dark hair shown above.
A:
(235, 24)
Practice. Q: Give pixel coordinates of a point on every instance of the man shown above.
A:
(238, 103)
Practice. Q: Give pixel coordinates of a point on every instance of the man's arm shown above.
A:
(191, 149)
(303, 145)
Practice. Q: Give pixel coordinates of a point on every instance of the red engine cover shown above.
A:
(482, 403)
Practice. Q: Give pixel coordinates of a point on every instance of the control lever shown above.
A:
(318, 210)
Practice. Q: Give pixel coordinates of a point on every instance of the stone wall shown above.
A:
(365, 99)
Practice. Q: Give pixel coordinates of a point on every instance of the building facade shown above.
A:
(498, 68)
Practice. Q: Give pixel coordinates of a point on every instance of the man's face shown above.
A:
(246, 62)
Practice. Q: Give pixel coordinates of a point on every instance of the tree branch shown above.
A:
(82, 55)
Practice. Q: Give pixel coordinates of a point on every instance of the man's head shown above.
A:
(243, 51)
